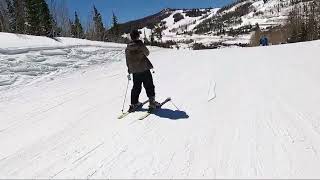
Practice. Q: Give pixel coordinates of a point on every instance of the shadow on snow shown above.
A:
(170, 114)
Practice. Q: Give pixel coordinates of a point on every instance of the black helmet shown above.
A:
(135, 34)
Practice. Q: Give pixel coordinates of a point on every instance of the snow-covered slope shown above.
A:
(236, 20)
(236, 113)
(271, 13)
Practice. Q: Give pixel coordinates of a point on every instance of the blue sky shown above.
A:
(127, 10)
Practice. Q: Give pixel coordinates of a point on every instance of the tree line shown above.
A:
(51, 18)
(303, 22)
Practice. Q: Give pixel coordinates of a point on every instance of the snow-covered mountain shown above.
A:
(236, 113)
(230, 24)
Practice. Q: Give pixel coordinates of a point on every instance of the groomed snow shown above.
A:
(236, 113)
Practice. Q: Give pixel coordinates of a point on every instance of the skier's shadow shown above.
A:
(174, 115)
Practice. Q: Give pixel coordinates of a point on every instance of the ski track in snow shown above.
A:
(265, 123)
(212, 91)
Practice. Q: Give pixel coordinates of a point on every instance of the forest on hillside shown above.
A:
(52, 18)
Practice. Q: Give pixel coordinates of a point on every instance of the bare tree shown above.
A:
(304, 22)
(89, 27)
(61, 16)
(255, 38)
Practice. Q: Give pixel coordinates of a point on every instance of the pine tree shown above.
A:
(45, 19)
(32, 17)
(1, 21)
(158, 30)
(98, 25)
(19, 13)
(318, 17)
(152, 36)
(115, 25)
(12, 17)
(312, 23)
(3, 17)
(38, 18)
(76, 27)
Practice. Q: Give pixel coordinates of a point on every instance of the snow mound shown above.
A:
(53, 52)
(6, 80)
(31, 57)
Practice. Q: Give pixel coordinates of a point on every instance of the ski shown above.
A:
(123, 115)
(152, 111)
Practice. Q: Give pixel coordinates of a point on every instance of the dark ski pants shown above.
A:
(144, 78)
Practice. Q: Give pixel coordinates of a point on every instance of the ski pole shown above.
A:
(175, 105)
(125, 96)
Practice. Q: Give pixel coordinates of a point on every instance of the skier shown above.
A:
(264, 41)
(139, 66)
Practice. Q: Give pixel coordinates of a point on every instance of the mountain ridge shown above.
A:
(234, 22)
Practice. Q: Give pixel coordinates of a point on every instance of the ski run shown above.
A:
(235, 113)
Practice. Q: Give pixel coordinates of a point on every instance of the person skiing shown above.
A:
(264, 41)
(139, 66)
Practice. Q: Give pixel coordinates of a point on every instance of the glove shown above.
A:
(129, 77)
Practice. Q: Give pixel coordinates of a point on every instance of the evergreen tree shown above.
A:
(98, 25)
(38, 18)
(152, 36)
(1, 21)
(32, 17)
(19, 13)
(115, 25)
(1, 24)
(159, 29)
(4, 25)
(45, 18)
(12, 17)
(76, 27)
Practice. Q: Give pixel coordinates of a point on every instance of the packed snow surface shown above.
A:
(235, 113)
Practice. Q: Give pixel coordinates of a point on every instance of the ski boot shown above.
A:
(134, 107)
(153, 104)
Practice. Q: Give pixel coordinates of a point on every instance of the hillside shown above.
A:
(232, 24)
(235, 113)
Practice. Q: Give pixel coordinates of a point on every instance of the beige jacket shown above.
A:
(136, 57)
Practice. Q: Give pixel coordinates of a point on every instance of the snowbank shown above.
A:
(18, 43)
(25, 58)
